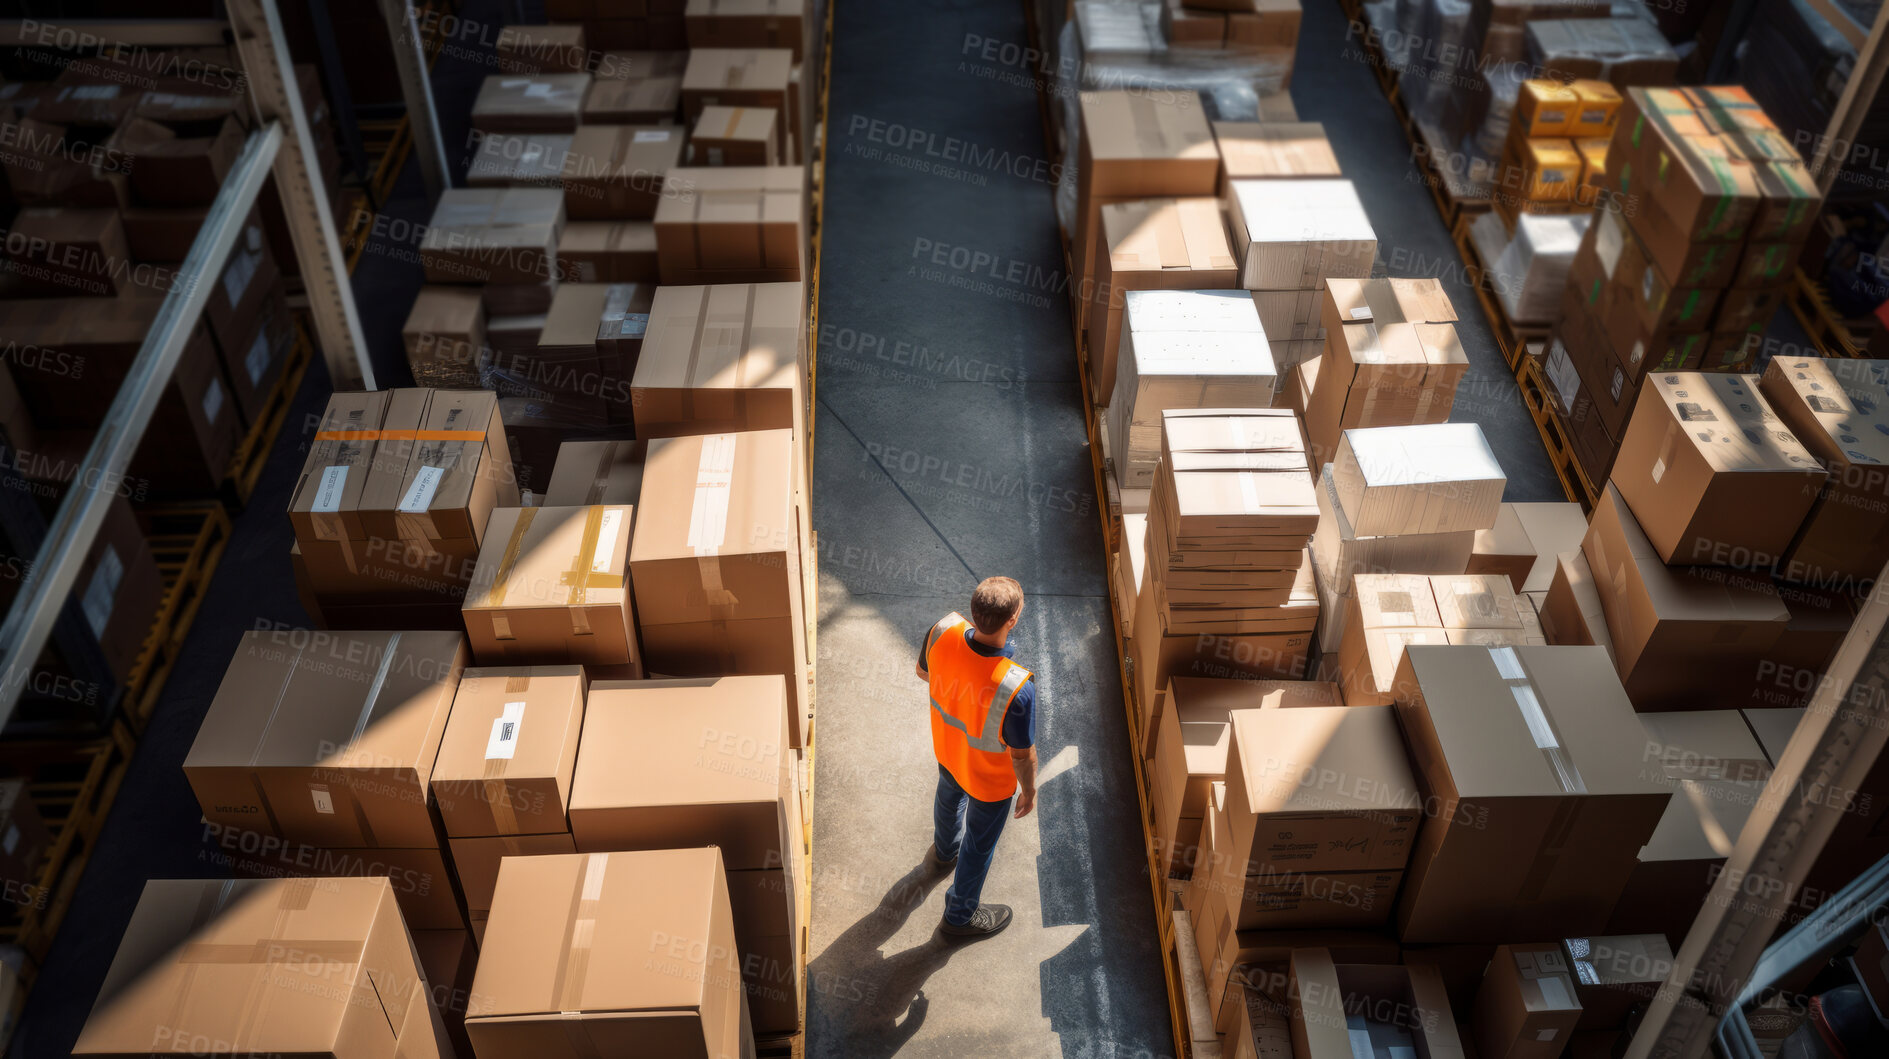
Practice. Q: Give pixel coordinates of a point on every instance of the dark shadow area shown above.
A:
(881, 998)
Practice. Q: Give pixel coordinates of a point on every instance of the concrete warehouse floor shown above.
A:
(949, 446)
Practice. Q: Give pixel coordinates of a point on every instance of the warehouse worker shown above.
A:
(983, 723)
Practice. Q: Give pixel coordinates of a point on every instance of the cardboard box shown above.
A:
(619, 172)
(1505, 550)
(639, 947)
(493, 235)
(1134, 146)
(541, 49)
(1614, 975)
(1263, 150)
(1282, 816)
(477, 860)
(1182, 349)
(1296, 900)
(1339, 555)
(740, 136)
(608, 252)
(549, 588)
(597, 472)
(1151, 244)
(1296, 234)
(1545, 108)
(745, 77)
(635, 790)
(1572, 613)
(748, 24)
(1835, 407)
(635, 87)
(1393, 358)
(444, 337)
(1650, 300)
(1162, 653)
(1324, 995)
(1698, 440)
(1529, 761)
(1526, 1007)
(549, 102)
(719, 359)
(449, 959)
(722, 596)
(505, 762)
(1435, 478)
(61, 251)
(374, 997)
(1390, 612)
(174, 170)
(328, 740)
(423, 885)
(1596, 110)
(1624, 51)
(734, 224)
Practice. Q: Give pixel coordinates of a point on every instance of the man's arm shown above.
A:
(1024, 762)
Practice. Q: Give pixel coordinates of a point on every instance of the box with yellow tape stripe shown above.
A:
(550, 588)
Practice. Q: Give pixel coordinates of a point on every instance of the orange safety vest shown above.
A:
(970, 693)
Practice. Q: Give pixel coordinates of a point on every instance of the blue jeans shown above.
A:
(958, 814)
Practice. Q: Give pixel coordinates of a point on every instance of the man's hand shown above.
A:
(1026, 801)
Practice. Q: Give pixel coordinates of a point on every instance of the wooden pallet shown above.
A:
(1459, 197)
(1533, 382)
(1512, 338)
(187, 540)
(252, 451)
(1811, 305)
(72, 784)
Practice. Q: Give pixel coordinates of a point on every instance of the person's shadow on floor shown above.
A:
(857, 994)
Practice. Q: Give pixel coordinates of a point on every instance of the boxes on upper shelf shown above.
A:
(746, 77)
(744, 136)
(493, 235)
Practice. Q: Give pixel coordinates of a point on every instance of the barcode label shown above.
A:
(503, 743)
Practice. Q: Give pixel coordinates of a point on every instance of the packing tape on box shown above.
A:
(593, 564)
(734, 122)
(567, 986)
(501, 579)
(262, 739)
(507, 728)
(1540, 724)
(708, 518)
(361, 721)
(600, 478)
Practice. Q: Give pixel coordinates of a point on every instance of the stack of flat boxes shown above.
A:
(1399, 500)
(1690, 276)
(1228, 589)
(1291, 236)
(392, 504)
(1391, 358)
(1710, 488)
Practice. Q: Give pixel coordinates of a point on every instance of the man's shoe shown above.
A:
(936, 863)
(987, 920)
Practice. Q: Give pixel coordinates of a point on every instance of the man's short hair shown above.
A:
(995, 602)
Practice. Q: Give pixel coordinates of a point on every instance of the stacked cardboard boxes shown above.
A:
(1290, 236)
(1834, 407)
(1555, 157)
(1391, 358)
(1180, 350)
(1400, 500)
(1151, 244)
(392, 504)
(735, 789)
(1390, 612)
(1228, 590)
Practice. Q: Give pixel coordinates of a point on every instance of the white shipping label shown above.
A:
(1555, 990)
(1362, 312)
(607, 531)
(1546, 1035)
(258, 358)
(1659, 470)
(708, 513)
(419, 495)
(102, 592)
(650, 136)
(503, 743)
(1608, 241)
(324, 802)
(213, 400)
(334, 481)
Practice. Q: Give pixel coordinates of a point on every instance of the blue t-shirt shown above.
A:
(1020, 720)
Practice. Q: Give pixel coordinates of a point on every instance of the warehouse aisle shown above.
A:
(950, 447)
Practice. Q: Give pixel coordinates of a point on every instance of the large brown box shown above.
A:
(617, 172)
(731, 224)
(743, 136)
(530, 102)
(716, 563)
(1711, 473)
(670, 763)
(636, 87)
(1332, 1002)
(749, 24)
(444, 336)
(1525, 1007)
(328, 738)
(62, 251)
(1151, 244)
(1692, 184)
(720, 358)
(167, 983)
(1284, 813)
(1135, 145)
(1839, 409)
(608, 252)
(1387, 613)
(1684, 637)
(610, 954)
(505, 762)
(1263, 150)
(1529, 757)
(1392, 358)
(493, 235)
(550, 588)
(477, 860)
(174, 170)
(745, 77)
